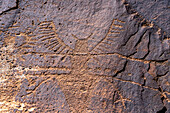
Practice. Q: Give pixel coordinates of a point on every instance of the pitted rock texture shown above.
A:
(7, 5)
(156, 11)
(84, 56)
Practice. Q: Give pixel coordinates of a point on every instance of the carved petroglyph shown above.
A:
(35, 90)
(79, 60)
(49, 55)
(70, 63)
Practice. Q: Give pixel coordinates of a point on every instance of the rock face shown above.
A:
(156, 11)
(84, 56)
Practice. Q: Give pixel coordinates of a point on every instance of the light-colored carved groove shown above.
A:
(94, 70)
(167, 83)
(32, 43)
(53, 45)
(109, 31)
(46, 38)
(45, 32)
(95, 58)
(84, 65)
(46, 35)
(104, 37)
(60, 49)
(45, 42)
(119, 21)
(27, 46)
(111, 39)
(123, 100)
(52, 68)
(13, 27)
(125, 57)
(103, 46)
(55, 48)
(100, 54)
(45, 27)
(100, 49)
(114, 29)
(114, 32)
(135, 83)
(53, 40)
(59, 40)
(33, 91)
(41, 36)
(98, 69)
(49, 45)
(67, 50)
(95, 51)
(117, 26)
(107, 43)
(64, 47)
(167, 92)
(47, 72)
(44, 24)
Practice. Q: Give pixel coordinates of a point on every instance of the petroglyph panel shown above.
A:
(81, 57)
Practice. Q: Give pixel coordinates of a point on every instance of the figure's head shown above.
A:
(85, 18)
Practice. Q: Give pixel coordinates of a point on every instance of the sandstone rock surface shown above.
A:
(84, 56)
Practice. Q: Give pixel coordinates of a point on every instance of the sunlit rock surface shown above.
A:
(84, 56)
